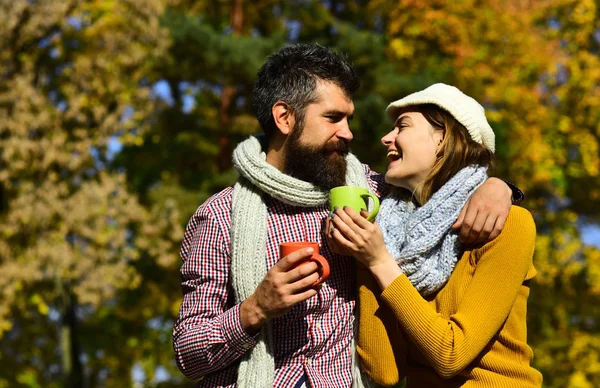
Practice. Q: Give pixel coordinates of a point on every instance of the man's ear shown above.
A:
(283, 116)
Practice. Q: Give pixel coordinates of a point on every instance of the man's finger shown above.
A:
(301, 271)
(290, 261)
(457, 225)
(304, 283)
(477, 228)
(488, 228)
(467, 224)
(498, 225)
(302, 296)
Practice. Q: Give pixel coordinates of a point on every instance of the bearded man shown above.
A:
(248, 317)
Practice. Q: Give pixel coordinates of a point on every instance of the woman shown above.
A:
(431, 310)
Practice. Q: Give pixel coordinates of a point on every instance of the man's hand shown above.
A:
(483, 216)
(284, 286)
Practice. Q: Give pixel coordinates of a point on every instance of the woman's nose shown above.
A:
(387, 139)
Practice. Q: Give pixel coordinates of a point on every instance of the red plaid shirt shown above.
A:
(312, 339)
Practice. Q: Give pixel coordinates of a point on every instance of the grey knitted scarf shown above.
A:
(421, 239)
(249, 238)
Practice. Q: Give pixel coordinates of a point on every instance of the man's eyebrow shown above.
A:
(336, 112)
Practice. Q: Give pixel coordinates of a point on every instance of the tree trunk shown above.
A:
(228, 95)
(72, 367)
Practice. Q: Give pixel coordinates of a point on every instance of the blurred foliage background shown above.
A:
(118, 118)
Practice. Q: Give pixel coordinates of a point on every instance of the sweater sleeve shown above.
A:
(450, 345)
(380, 345)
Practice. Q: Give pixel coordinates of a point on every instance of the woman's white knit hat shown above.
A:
(465, 110)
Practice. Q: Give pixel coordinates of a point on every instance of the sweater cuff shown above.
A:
(234, 333)
(390, 293)
(517, 195)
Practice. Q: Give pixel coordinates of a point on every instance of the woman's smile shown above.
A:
(394, 157)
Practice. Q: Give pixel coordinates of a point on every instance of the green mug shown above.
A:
(355, 197)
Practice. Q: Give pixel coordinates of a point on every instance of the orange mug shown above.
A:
(286, 248)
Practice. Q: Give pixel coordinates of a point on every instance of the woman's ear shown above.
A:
(440, 137)
(283, 116)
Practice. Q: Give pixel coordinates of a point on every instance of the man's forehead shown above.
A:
(331, 97)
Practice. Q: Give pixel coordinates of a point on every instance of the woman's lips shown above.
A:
(394, 156)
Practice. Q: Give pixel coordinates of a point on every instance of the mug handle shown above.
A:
(375, 210)
(323, 268)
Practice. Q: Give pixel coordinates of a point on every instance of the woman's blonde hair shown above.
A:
(456, 151)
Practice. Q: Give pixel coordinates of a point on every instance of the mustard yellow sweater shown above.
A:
(471, 333)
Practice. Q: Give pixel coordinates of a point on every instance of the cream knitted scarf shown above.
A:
(249, 238)
(421, 239)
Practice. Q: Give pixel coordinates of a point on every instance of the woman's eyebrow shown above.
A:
(400, 119)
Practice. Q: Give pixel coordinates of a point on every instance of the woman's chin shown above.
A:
(396, 181)
(391, 180)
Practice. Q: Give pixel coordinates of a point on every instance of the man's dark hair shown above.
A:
(291, 75)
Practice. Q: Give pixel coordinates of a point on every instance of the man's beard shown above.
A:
(322, 166)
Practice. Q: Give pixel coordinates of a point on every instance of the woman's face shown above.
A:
(411, 148)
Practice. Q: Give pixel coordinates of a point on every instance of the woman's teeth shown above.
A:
(393, 155)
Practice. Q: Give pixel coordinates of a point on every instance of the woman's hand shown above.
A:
(351, 234)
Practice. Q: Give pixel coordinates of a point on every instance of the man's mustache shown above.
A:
(338, 146)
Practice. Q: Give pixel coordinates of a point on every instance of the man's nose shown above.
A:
(344, 132)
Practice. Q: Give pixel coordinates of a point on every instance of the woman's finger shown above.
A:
(363, 229)
(345, 224)
(344, 245)
(358, 219)
(334, 246)
(328, 226)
